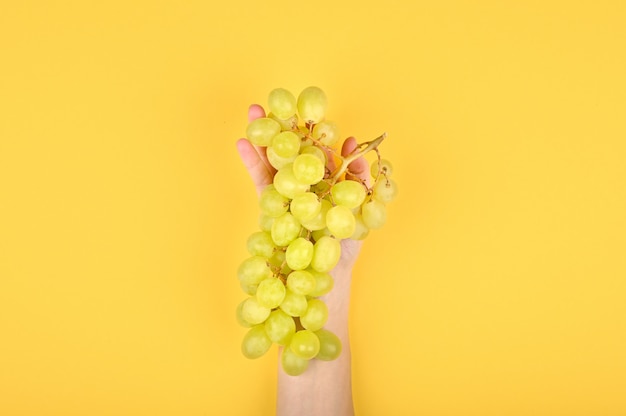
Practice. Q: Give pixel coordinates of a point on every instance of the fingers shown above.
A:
(255, 111)
(259, 172)
(359, 168)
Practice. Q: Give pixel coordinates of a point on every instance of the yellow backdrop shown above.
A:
(497, 286)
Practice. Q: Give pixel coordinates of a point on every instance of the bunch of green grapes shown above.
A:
(312, 204)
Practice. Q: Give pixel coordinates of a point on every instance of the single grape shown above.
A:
(253, 270)
(277, 162)
(288, 124)
(315, 316)
(340, 221)
(286, 144)
(286, 182)
(360, 229)
(301, 282)
(374, 214)
(260, 244)
(326, 253)
(308, 169)
(256, 342)
(348, 193)
(305, 344)
(294, 304)
(253, 312)
(272, 203)
(330, 345)
(312, 105)
(319, 221)
(292, 364)
(280, 327)
(261, 131)
(386, 168)
(282, 103)
(305, 206)
(323, 283)
(270, 292)
(239, 315)
(299, 253)
(315, 151)
(326, 132)
(265, 222)
(385, 190)
(285, 229)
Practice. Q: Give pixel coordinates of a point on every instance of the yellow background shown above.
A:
(497, 286)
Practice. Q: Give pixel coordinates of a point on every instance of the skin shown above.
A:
(325, 389)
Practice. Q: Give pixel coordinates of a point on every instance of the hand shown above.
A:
(262, 174)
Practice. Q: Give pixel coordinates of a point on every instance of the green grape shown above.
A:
(330, 345)
(285, 229)
(272, 203)
(326, 132)
(317, 234)
(292, 364)
(253, 312)
(374, 214)
(385, 190)
(253, 270)
(305, 344)
(360, 229)
(238, 314)
(315, 151)
(277, 162)
(248, 289)
(260, 244)
(265, 222)
(293, 304)
(319, 221)
(312, 105)
(299, 253)
(280, 327)
(286, 183)
(286, 144)
(270, 292)
(305, 206)
(256, 342)
(348, 193)
(323, 283)
(308, 168)
(288, 124)
(261, 131)
(278, 258)
(282, 103)
(315, 316)
(326, 253)
(340, 222)
(386, 168)
(301, 282)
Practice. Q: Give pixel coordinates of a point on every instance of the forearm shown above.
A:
(325, 388)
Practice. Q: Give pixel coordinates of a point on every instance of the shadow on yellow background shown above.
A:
(496, 288)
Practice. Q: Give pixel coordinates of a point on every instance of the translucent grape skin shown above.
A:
(282, 103)
(256, 342)
(330, 345)
(312, 105)
(305, 344)
(291, 363)
(261, 131)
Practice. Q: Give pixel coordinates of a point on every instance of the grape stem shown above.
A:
(345, 161)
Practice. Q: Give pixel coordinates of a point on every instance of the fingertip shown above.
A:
(348, 146)
(255, 111)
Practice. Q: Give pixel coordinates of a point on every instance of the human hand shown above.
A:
(262, 174)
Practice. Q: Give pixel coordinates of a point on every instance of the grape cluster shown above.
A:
(313, 203)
